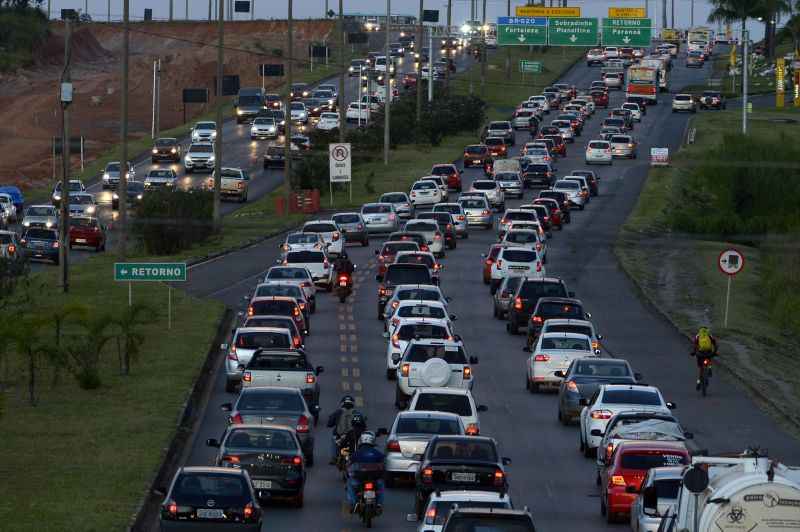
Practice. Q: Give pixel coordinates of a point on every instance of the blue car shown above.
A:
(41, 244)
(16, 196)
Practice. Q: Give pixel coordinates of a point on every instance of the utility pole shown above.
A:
(209, 10)
(483, 52)
(508, 48)
(252, 9)
(108, 6)
(156, 127)
(186, 8)
(170, 10)
(418, 47)
(122, 186)
(672, 17)
(448, 50)
(691, 14)
(66, 99)
(745, 76)
(430, 64)
(340, 99)
(387, 85)
(220, 99)
(287, 113)
(663, 14)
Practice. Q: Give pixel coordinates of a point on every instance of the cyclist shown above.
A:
(704, 346)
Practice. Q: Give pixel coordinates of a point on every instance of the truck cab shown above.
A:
(249, 103)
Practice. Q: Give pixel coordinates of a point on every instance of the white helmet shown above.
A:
(367, 438)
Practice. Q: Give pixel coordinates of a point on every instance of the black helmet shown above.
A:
(358, 420)
(347, 401)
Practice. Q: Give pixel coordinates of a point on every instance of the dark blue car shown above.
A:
(40, 244)
(16, 197)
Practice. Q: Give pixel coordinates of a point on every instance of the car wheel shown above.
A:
(299, 500)
(561, 418)
(230, 386)
(533, 387)
(512, 328)
(189, 170)
(391, 374)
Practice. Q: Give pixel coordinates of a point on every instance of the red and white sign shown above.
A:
(731, 261)
(659, 156)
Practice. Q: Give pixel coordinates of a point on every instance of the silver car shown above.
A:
(505, 295)
(623, 146)
(683, 102)
(82, 204)
(573, 191)
(205, 131)
(409, 436)
(666, 481)
(199, 156)
(160, 177)
(40, 216)
(111, 174)
(502, 129)
(510, 183)
(264, 127)
(380, 217)
(598, 151)
(245, 342)
(478, 211)
(401, 201)
(492, 190)
(353, 227)
(459, 217)
(565, 129)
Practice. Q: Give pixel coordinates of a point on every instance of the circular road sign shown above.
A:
(695, 479)
(731, 261)
(340, 152)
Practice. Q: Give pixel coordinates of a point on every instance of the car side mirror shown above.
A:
(473, 360)
(211, 442)
(319, 369)
(482, 408)
(596, 432)
(597, 351)
(226, 407)
(448, 299)
(526, 349)
(277, 261)
(638, 376)
(560, 374)
(506, 460)
(688, 435)
(671, 405)
(461, 171)
(160, 491)
(599, 336)
(589, 315)
(583, 401)
(650, 501)
(224, 347)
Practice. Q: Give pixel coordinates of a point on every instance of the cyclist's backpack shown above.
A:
(704, 343)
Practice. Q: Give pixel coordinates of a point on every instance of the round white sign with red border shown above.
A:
(731, 261)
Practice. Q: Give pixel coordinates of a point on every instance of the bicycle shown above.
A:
(705, 371)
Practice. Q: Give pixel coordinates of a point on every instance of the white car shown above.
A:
(440, 181)
(160, 177)
(459, 217)
(328, 121)
(562, 325)
(298, 275)
(245, 342)
(542, 101)
(414, 292)
(74, 186)
(538, 155)
(554, 352)
(441, 502)
(45, 216)
(573, 191)
(426, 192)
(527, 238)
(587, 102)
(330, 234)
(415, 308)
(452, 400)
(611, 399)
(666, 482)
(515, 215)
(636, 111)
(564, 129)
(205, 131)
(408, 329)
(494, 193)
(516, 260)
(82, 204)
(111, 174)
(400, 201)
(611, 52)
(584, 184)
(379, 217)
(430, 229)
(357, 112)
(433, 364)
(302, 242)
(298, 112)
(263, 127)
(599, 152)
(315, 262)
(683, 102)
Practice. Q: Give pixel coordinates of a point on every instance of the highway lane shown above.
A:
(548, 473)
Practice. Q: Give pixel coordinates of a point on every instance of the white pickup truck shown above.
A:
(234, 183)
(283, 367)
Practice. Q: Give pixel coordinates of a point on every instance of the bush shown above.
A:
(311, 171)
(23, 30)
(171, 221)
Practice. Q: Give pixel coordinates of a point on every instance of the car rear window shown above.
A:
(299, 257)
(484, 185)
(279, 307)
(420, 294)
(287, 273)
(565, 328)
(438, 402)
(422, 227)
(475, 149)
(42, 234)
(279, 290)
(620, 139)
(411, 425)
(682, 98)
(261, 439)
(407, 274)
(424, 185)
(277, 322)
(378, 209)
(421, 311)
(499, 125)
(416, 258)
(82, 222)
(320, 228)
(521, 237)
(520, 215)
(347, 218)
(560, 310)
(578, 344)
(302, 238)
(267, 362)
(422, 330)
(538, 168)
(537, 289)
(252, 340)
(494, 141)
(631, 397)
(265, 399)
(598, 145)
(393, 198)
(639, 460)
(466, 448)
(391, 248)
(473, 204)
(519, 255)
(425, 352)
(225, 489)
(452, 209)
(601, 369)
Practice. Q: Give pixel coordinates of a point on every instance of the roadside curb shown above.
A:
(184, 435)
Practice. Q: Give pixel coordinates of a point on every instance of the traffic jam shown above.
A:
(434, 451)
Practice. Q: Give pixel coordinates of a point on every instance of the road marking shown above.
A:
(343, 359)
(342, 327)
(346, 387)
(345, 372)
(354, 360)
(359, 401)
(354, 349)
(343, 338)
(357, 386)
(353, 338)
(351, 326)
(343, 348)
(356, 373)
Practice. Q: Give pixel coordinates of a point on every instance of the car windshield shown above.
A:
(578, 329)
(165, 143)
(413, 425)
(494, 141)
(287, 273)
(198, 148)
(667, 488)
(475, 149)
(565, 343)
(421, 227)
(506, 176)
(391, 248)
(376, 209)
(206, 125)
(279, 290)
(631, 396)
(40, 211)
(252, 340)
(464, 449)
(300, 257)
(537, 289)
(451, 354)
(346, 218)
(265, 399)
(560, 310)
(637, 460)
(519, 255)
(424, 185)
(484, 185)
(41, 234)
(598, 145)
(160, 173)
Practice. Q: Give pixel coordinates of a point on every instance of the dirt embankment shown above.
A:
(29, 110)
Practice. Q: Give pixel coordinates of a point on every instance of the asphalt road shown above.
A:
(548, 473)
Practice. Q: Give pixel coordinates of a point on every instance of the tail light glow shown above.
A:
(248, 511)
(427, 475)
(393, 446)
(231, 459)
(472, 429)
(236, 418)
(600, 414)
(541, 358)
(310, 378)
(247, 376)
(499, 478)
(302, 425)
(518, 303)
(467, 372)
(172, 507)
(405, 369)
(618, 480)
(232, 354)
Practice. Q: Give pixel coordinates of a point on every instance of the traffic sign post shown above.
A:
(627, 32)
(521, 31)
(627, 12)
(730, 262)
(164, 272)
(659, 156)
(572, 32)
(339, 160)
(532, 67)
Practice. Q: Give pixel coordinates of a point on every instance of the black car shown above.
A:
(446, 226)
(210, 497)
(712, 100)
(563, 201)
(397, 274)
(591, 179)
(527, 296)
(40, 244)
(272, 456)
(538, 175)
(550, 308)
(543, 215)
(299, 91)
(583, 377)
(419, 238)
(168, 149)
(459, 463)
(134, 196)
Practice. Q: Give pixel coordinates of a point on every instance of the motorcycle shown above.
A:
(344, 285)
(367, 506)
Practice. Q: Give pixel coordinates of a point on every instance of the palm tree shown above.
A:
(129, 336)
(769, 11)
(83, 352)
(734, 11)
(26, 339)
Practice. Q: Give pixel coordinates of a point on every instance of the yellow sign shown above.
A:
(538, 11)
(733, 57)
(626, 12)
(780, 68)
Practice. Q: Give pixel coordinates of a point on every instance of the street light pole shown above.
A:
(287, 113)
(387, 85)
(122, 187)
(341, 73)
(66, 99)
(418, 48)
(218, 143)
(745, 76)
(483, 52)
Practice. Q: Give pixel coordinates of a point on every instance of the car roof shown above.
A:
(212, 469)
(567, 321)
(416, 286)
(566, 300)
(428, 414)
(260, 329)
(639, 387)
(578, 336)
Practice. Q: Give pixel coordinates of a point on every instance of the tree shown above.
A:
(129, 336)
(24, 336)
(768, 12)
(82, 352)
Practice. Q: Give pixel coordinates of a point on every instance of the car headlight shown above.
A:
(253, 130)
(115, 196)
(105, 176)
(90, 209)
(271, 129)
(213, 134)
(174, 150)
(211, 159)
(239, 112)
(138, 196)
(57, 197)
(155, 151)
(48, 224)
(26, 223)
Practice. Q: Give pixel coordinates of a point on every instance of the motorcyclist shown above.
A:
(343, 265)
(350, 439)
(366, 464)
(340, 421)
(704, 346)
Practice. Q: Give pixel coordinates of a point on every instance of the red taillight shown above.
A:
(369, 486)
(405, 369)
(232, 353)
(310, 378)
(472, 429)
(706, 361)
(499, 478)
(618, 480)
(250, 310)
(396, 340)
(427, 475)
(541, 358)
(247, 377)
(236, 418)
(12, 249)
(536, 319)
(392, 216)
(296, 341)
(343, 278)
(55, 244)
(296, 311)
(430, 516)
(538, 266)
(360, 227)
(518, 303)
(325, 264)
(609, 451)
(172, 507)
(248, 511)
(335, 236)
(467, 372)
(600, 414)
(393, 446)
(302, 424)
(437, 236)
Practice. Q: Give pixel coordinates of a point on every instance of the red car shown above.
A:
(476, 155)
(494, 251)
(449, 172)
(559, 146)
(388, 252)
(85, 231)
(600, 98)
(621, 478)
(555, 211)
(409, 80)
(497, 147)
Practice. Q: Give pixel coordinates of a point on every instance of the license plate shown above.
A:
(80, 240)
(262, 484)
(369, 495)
(342, 283)
(462, 477)
(208, 513)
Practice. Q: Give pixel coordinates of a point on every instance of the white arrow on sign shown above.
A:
(573, 38)
(123, 271)
(626, 40)
(521, 38)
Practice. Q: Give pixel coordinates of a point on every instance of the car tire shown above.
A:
(391, 374)
(581, 207)
(589, 452)
(400, 402)
(512, 328)
(230, 386)
(532, 387)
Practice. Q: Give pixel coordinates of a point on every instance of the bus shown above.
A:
(642, 81)
(662, 70)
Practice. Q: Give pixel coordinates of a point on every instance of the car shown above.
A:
(564, 129)
(246, 341)
(297, 275)
(330, 234)
(302, 242)
(478, 211)
(426, 192)
(440, 181)
(491, 188)
(8, 210)
(527, 296)
(459, 217)
(401, 308)
(357, 112)
(328, 121)
(204, 131)
(133, 197)
(683, 102)
(357, 66)
(595, 56)
(623, 146)
(396, 275)
(523, 118)
(433, 363)
(386, 254)
(275, 405)
(552, 307)
(613, 80)
(287, 289)
(538, 175)
(299, 90)
(160, 178)
(475, 518)
(609, 131)
(111, 174)
(477, 155)
(600, 98)
(10, 247)
(264, 127)
(625, 114)
(442, 503)
(277, 306)
(576, 195)
(635, 109)
(401, 203)
(457, 401)
(275, 154)
(497, 146)
(74, 186)
(635, 426)
(610, 399)
(551, 355)
(40, 216)
(515, 260)
(621, 480)
(186, 502)
(409, 436)
(273, 101)
(526, 238)
(695, 59)
(658, 496)
(413, 292)
(166, 148)
(279, 322)
(599, 152)
(315, 261)
(421, 257)
(271, 454)
(234, 183)
(353, 226)
(619, 122)
(611, 52)
(582, 378)
(712, 100)
(584, 184)
(563, 202)
(459, 462)
(298, 112)
(450, 173)
(199, 156)
(87, 231)
(40, 243)
(510, 183)
(446, 224)
(515, 215)
(504, 295)
(82, 204)
(430, 230)
(591, 178)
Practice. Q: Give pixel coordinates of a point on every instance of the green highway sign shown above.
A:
(149, 271)
(521, 31)
(627, 31)
(572, 32)
(531, 67)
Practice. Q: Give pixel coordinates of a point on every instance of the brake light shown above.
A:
(232, 354)
(706, 361)
(393, 446)
(12, 249)
(572, 387)
(467, 372)
(55, 244)
(310, 378)
(518, 303)
(396, 341)
(430, 516)
(302, 424)
(360, 226)
(600, 414)
(472, 429)
(404, 369)
(248, 510)
(247, 376)
(343, 278)
(538, 246)
(250, 310)
(595, 345)
(369, 486)
(296, 341)
(427, 475)
(391, 217)
(295, 311)
(499, 478)
(541, 358)
(460, 217)
(617, 480)
(536, 319)
(236, 418)
(326, 264)
(538, 266)
(609, 451)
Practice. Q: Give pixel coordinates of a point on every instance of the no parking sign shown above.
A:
(730, 262)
